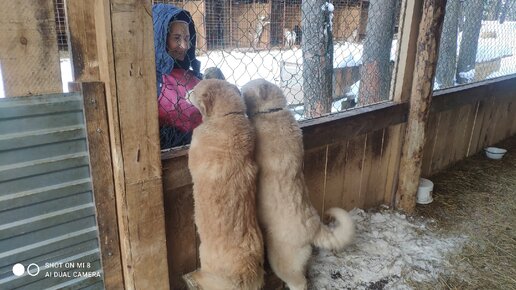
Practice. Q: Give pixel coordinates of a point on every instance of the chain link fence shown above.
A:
(327, 56)
(478, 42)
(61, 24)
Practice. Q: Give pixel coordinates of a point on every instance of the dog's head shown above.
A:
(261, 96)
(216, 98)
(213, 73)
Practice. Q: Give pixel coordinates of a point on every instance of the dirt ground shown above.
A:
(464, 239)
(476, 198)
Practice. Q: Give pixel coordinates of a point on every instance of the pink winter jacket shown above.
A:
(174, 109)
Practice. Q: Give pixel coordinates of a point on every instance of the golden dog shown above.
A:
(221, 161)
(289, 222)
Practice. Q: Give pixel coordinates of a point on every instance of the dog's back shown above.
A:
(291, 224)
(284, 206)
(223, 171)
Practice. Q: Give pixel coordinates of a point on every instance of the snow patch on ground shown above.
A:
(389, 250)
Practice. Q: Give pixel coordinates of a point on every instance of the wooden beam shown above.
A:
(28, 48)
(95, 113)
(337, 127)
(82, 39)
(127, 66)
(421, 96)
(451, 98)
(404, 68)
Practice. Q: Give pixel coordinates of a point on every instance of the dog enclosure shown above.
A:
(372, 123)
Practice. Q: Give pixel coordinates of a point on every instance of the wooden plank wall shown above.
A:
(465, 121)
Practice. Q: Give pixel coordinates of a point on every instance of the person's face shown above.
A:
(178, 41)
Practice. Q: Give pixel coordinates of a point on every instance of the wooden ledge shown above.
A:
(335, 127)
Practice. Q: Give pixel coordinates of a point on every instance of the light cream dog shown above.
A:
(289, 222)
(221, 161)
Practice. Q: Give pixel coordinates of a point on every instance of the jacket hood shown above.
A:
(162, 15)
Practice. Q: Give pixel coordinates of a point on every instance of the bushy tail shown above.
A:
(339, 237)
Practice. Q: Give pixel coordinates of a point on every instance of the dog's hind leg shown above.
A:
(289, 263)
(202, 280)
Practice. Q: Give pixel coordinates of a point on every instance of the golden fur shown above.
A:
(289, 222)
(221, 161)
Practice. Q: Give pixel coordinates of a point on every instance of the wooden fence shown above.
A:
(352, 160)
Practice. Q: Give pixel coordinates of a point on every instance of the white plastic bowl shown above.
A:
(495, 153)
(424, 191)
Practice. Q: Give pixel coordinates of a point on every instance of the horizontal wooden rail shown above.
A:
(447, 99)
(336, 127)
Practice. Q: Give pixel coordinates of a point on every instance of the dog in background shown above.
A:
(221, 162)
(213, 73)
(290, 37)
(289, 222)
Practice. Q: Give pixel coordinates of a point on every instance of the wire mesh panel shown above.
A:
(61, 24)
(477, 43)
(327, 56)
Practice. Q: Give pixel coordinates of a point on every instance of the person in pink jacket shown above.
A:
(177, 72)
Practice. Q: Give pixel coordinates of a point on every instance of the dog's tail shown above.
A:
(335, 238)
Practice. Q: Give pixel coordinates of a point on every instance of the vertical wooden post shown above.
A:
(404, 69)
(122, 56)
(421, 96)
(95, 113)
(127, 65)
(82, 39)
(28, 48)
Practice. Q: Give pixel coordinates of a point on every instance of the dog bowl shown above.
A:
(424, 191)
(494, 152)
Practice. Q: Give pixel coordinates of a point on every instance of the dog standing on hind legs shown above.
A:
(221, 162)
(289, 222)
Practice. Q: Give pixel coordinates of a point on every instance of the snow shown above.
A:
(243, 65)
(349, 54)
(507, 67)
(468, 75)
(490, 48)
(502, 44)
(389, 250)
(66, 73)
(328, 7)
(353, 90)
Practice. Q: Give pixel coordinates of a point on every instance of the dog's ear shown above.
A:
(206, 100)
(264, 90)
(235, 89)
